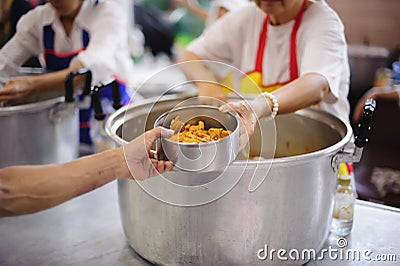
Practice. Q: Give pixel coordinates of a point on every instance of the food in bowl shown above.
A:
(195, 156)
(189, 133)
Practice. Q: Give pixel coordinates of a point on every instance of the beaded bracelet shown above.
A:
(275, 103)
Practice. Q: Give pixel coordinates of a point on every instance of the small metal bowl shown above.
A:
(205, 156)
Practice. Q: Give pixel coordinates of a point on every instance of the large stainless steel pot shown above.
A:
(291, 209)
(43, 129)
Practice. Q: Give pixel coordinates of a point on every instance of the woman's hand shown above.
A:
(247, 120)
(141, 162)
(15, 91)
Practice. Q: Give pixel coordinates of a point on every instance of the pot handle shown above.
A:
(99, 115)
(364, 124)
(116, 95)
(361, 137)
(69, 83)
(97, 107)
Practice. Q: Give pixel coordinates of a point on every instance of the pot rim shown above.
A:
(328, 151)
(31, 107)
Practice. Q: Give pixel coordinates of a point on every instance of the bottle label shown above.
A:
(344, 206)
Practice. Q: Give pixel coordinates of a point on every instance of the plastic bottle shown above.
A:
(396, 72)
(343, 212)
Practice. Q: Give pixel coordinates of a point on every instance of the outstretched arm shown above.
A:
(303, 92)
(375, 93)
(28, 189)
(18, 88)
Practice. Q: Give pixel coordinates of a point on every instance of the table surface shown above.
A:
(88, 231)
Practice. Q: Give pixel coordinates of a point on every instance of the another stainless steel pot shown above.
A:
(44, 129)
(291, 209)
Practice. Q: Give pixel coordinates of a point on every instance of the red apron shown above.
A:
(253, 82)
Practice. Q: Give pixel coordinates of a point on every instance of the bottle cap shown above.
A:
(344, 175)
(343, 171)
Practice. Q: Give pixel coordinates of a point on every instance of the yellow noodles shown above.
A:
(195, 133)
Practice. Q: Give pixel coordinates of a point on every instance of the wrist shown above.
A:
(34, 83)
(121, 166)
(113, 164)
(273, 104)
(261, 106)
(265, 105)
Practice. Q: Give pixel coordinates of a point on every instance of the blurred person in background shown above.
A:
(68, 35)
(217, 9)
(390, 93)
(11, 12)
(192, 17)
(386, 85)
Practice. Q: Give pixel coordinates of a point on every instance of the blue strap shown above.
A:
(107, 93)
(85, 38)
(52, 61)
(48, 37)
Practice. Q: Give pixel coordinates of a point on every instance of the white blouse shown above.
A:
(321, 48)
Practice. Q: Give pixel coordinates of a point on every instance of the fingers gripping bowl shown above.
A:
(207, 156)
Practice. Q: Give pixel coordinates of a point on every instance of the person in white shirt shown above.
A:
(294, 52)
(67, 35)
